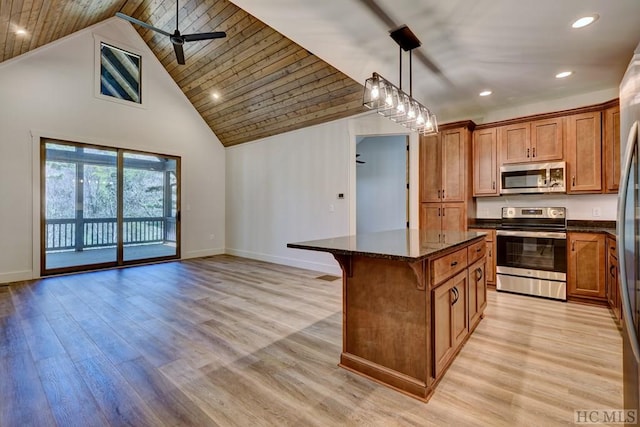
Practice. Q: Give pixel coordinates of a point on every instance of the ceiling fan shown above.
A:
(176, 38)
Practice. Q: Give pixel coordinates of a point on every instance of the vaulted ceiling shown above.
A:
(267, 84)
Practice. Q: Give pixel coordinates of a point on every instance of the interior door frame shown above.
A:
(40, 194)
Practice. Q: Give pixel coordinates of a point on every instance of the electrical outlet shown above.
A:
(212, 236)
(596, 212)
(332, 208)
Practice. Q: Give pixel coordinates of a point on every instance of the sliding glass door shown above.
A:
(105, 207)
(150, 201)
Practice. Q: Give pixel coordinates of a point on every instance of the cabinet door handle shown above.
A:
(489, 253)
(438, 211)
(527, 153)
(438, 194)
(534, 151)
(479, 274)
(454, 263)
(612, 270)
(443, 194)
(456, 295)
(573, 181)
(493, 185)
(478, 250)
(443, 211)
(573, 246)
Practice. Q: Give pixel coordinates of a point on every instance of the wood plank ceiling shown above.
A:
(266, 83)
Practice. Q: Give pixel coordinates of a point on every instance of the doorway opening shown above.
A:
(382, 183)
(106, 207)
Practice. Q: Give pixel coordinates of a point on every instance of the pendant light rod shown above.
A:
(410, 76)
(400, 62)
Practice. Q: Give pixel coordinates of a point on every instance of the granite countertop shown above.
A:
(403, 245)
(587, 226)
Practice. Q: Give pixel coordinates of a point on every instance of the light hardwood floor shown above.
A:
(229, 341)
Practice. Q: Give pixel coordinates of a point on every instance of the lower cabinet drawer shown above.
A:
(448, 265)
(476, 251)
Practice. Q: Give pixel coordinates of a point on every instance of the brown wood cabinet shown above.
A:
(584, 153)
(444, 159)
(443, 216)
(612, 279)
(611, 149)
(536, 141)
(485, 163)
(445, 179)
(586, 266)
(490, 241)
(450, 319)
(477, 291)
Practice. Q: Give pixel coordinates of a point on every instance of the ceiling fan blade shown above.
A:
(142, 24)
(179, 53)
(204, 36)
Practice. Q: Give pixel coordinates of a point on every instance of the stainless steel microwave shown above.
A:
(533, 178)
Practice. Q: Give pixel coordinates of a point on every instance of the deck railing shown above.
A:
(63, 234)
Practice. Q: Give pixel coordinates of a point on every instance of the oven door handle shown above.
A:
(538, 234)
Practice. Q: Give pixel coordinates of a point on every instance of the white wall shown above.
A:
(381, 183)
(284, 189)
(49, 92)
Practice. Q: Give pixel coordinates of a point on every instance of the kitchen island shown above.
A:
(410, 300)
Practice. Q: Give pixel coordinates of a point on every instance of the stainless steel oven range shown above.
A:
(532, 252)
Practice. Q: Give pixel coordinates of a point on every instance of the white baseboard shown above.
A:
(16, 276)
(292, 262)
(202, 253)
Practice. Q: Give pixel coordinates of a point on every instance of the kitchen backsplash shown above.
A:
(583, 206)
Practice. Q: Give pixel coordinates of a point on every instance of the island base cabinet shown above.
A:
(385, 334)
(449, 319)
(404, 321)
(477, 292)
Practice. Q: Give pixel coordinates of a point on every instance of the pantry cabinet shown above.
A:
(443, 156)
(445, 178)
(443, 216)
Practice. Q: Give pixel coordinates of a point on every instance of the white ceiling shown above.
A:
(512, 47)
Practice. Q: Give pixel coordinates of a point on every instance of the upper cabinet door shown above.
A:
(514, 143)
(584, 153)
(485, 163)
(430, 170)
(611, 149)
(454, 155)
(546, 140)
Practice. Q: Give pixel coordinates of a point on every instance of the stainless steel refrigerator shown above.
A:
(629, 230)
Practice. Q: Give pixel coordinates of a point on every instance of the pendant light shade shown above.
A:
(391, 101)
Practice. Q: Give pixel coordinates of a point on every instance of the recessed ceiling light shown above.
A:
(215, 95)
(585, 20)
(21, 32)
(485, 93)
(563, 74)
